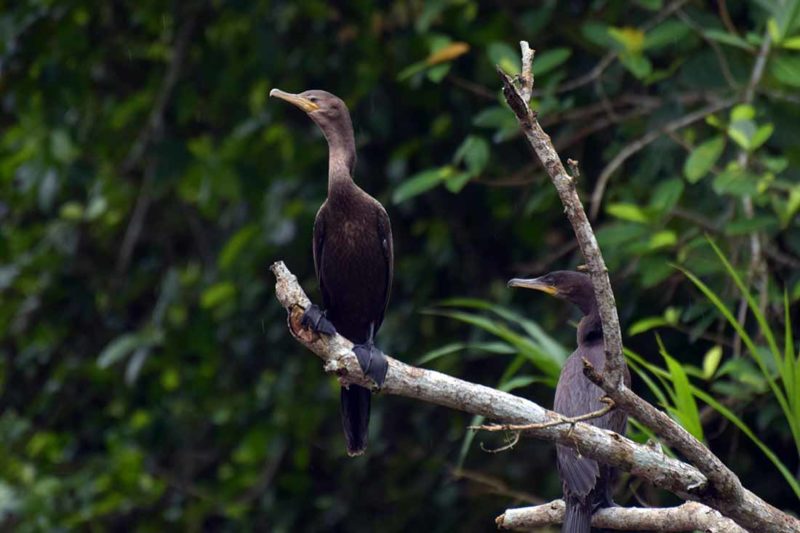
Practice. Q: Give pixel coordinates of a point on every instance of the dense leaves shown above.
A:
(147, 181)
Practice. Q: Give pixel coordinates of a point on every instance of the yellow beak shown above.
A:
(534, 284)
(295, 99)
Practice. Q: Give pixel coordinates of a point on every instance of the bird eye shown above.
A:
(312, 99)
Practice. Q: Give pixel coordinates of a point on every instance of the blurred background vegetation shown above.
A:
(147, 379)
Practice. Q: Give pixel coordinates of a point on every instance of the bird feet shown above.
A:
(373, 361)
(314, 319)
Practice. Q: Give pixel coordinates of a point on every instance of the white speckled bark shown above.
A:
(690, 516)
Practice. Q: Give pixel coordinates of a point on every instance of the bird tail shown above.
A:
(355, 402)
(577, 518)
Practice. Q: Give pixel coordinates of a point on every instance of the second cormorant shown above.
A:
(587, 485)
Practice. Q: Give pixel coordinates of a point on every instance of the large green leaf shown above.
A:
(703, 158)
(786, 69)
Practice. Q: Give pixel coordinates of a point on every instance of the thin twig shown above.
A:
(152, 131)
(780, 257)
(513, 442)
(561, 420)
(153, 127)
(757, 269)
(640, 143)
(722, 6)
(136, 223)
(472, 87)
(585, 79)
(723, 62)
(780, 95)
(526, 78)
(573, 166)
(495, 485)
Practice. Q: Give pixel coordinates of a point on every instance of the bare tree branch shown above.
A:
(724, 480)
(152, 131)
(687, 517)
(757, 270)
(494, 485)
(440, 389)
(526, 78)
(608, 447)
(155, 121)
(565, 185)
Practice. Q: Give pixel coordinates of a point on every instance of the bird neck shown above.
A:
(590, 328)
(341, 157)
(339, 177)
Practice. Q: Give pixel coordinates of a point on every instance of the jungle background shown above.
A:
(147, 379)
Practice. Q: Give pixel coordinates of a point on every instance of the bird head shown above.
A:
(324, 108)
(575, 287)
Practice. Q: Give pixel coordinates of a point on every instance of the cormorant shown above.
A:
(587, 485)
(353, 259)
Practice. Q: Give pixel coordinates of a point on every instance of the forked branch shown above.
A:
(725, 492)
(607, 447)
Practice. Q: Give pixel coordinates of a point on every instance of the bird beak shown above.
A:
(533, 283)
(295, 99)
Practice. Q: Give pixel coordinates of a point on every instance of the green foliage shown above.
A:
(703, 158)
(645, 370)
(538, 348)
(781, 364)
(682, 404)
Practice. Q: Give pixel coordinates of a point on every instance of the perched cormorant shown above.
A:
(587, 485)
(353, 259)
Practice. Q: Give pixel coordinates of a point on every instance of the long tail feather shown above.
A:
(577, 519)
(355, 403)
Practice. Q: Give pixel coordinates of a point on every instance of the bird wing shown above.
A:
(385, 237)
(578, 474)
(576, 395)
(319, 251)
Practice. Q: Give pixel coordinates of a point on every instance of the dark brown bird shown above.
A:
(353, 259)
(587, 485)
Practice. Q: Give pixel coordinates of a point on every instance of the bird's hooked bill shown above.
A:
(295, 99)
(533, 283)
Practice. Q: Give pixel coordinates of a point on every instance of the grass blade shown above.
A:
(706, 398)
(685, 406)
(746, 339)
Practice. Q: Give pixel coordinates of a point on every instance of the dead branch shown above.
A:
(607, 447)
(687, 517)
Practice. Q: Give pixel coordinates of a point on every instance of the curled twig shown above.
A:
(511, 443)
